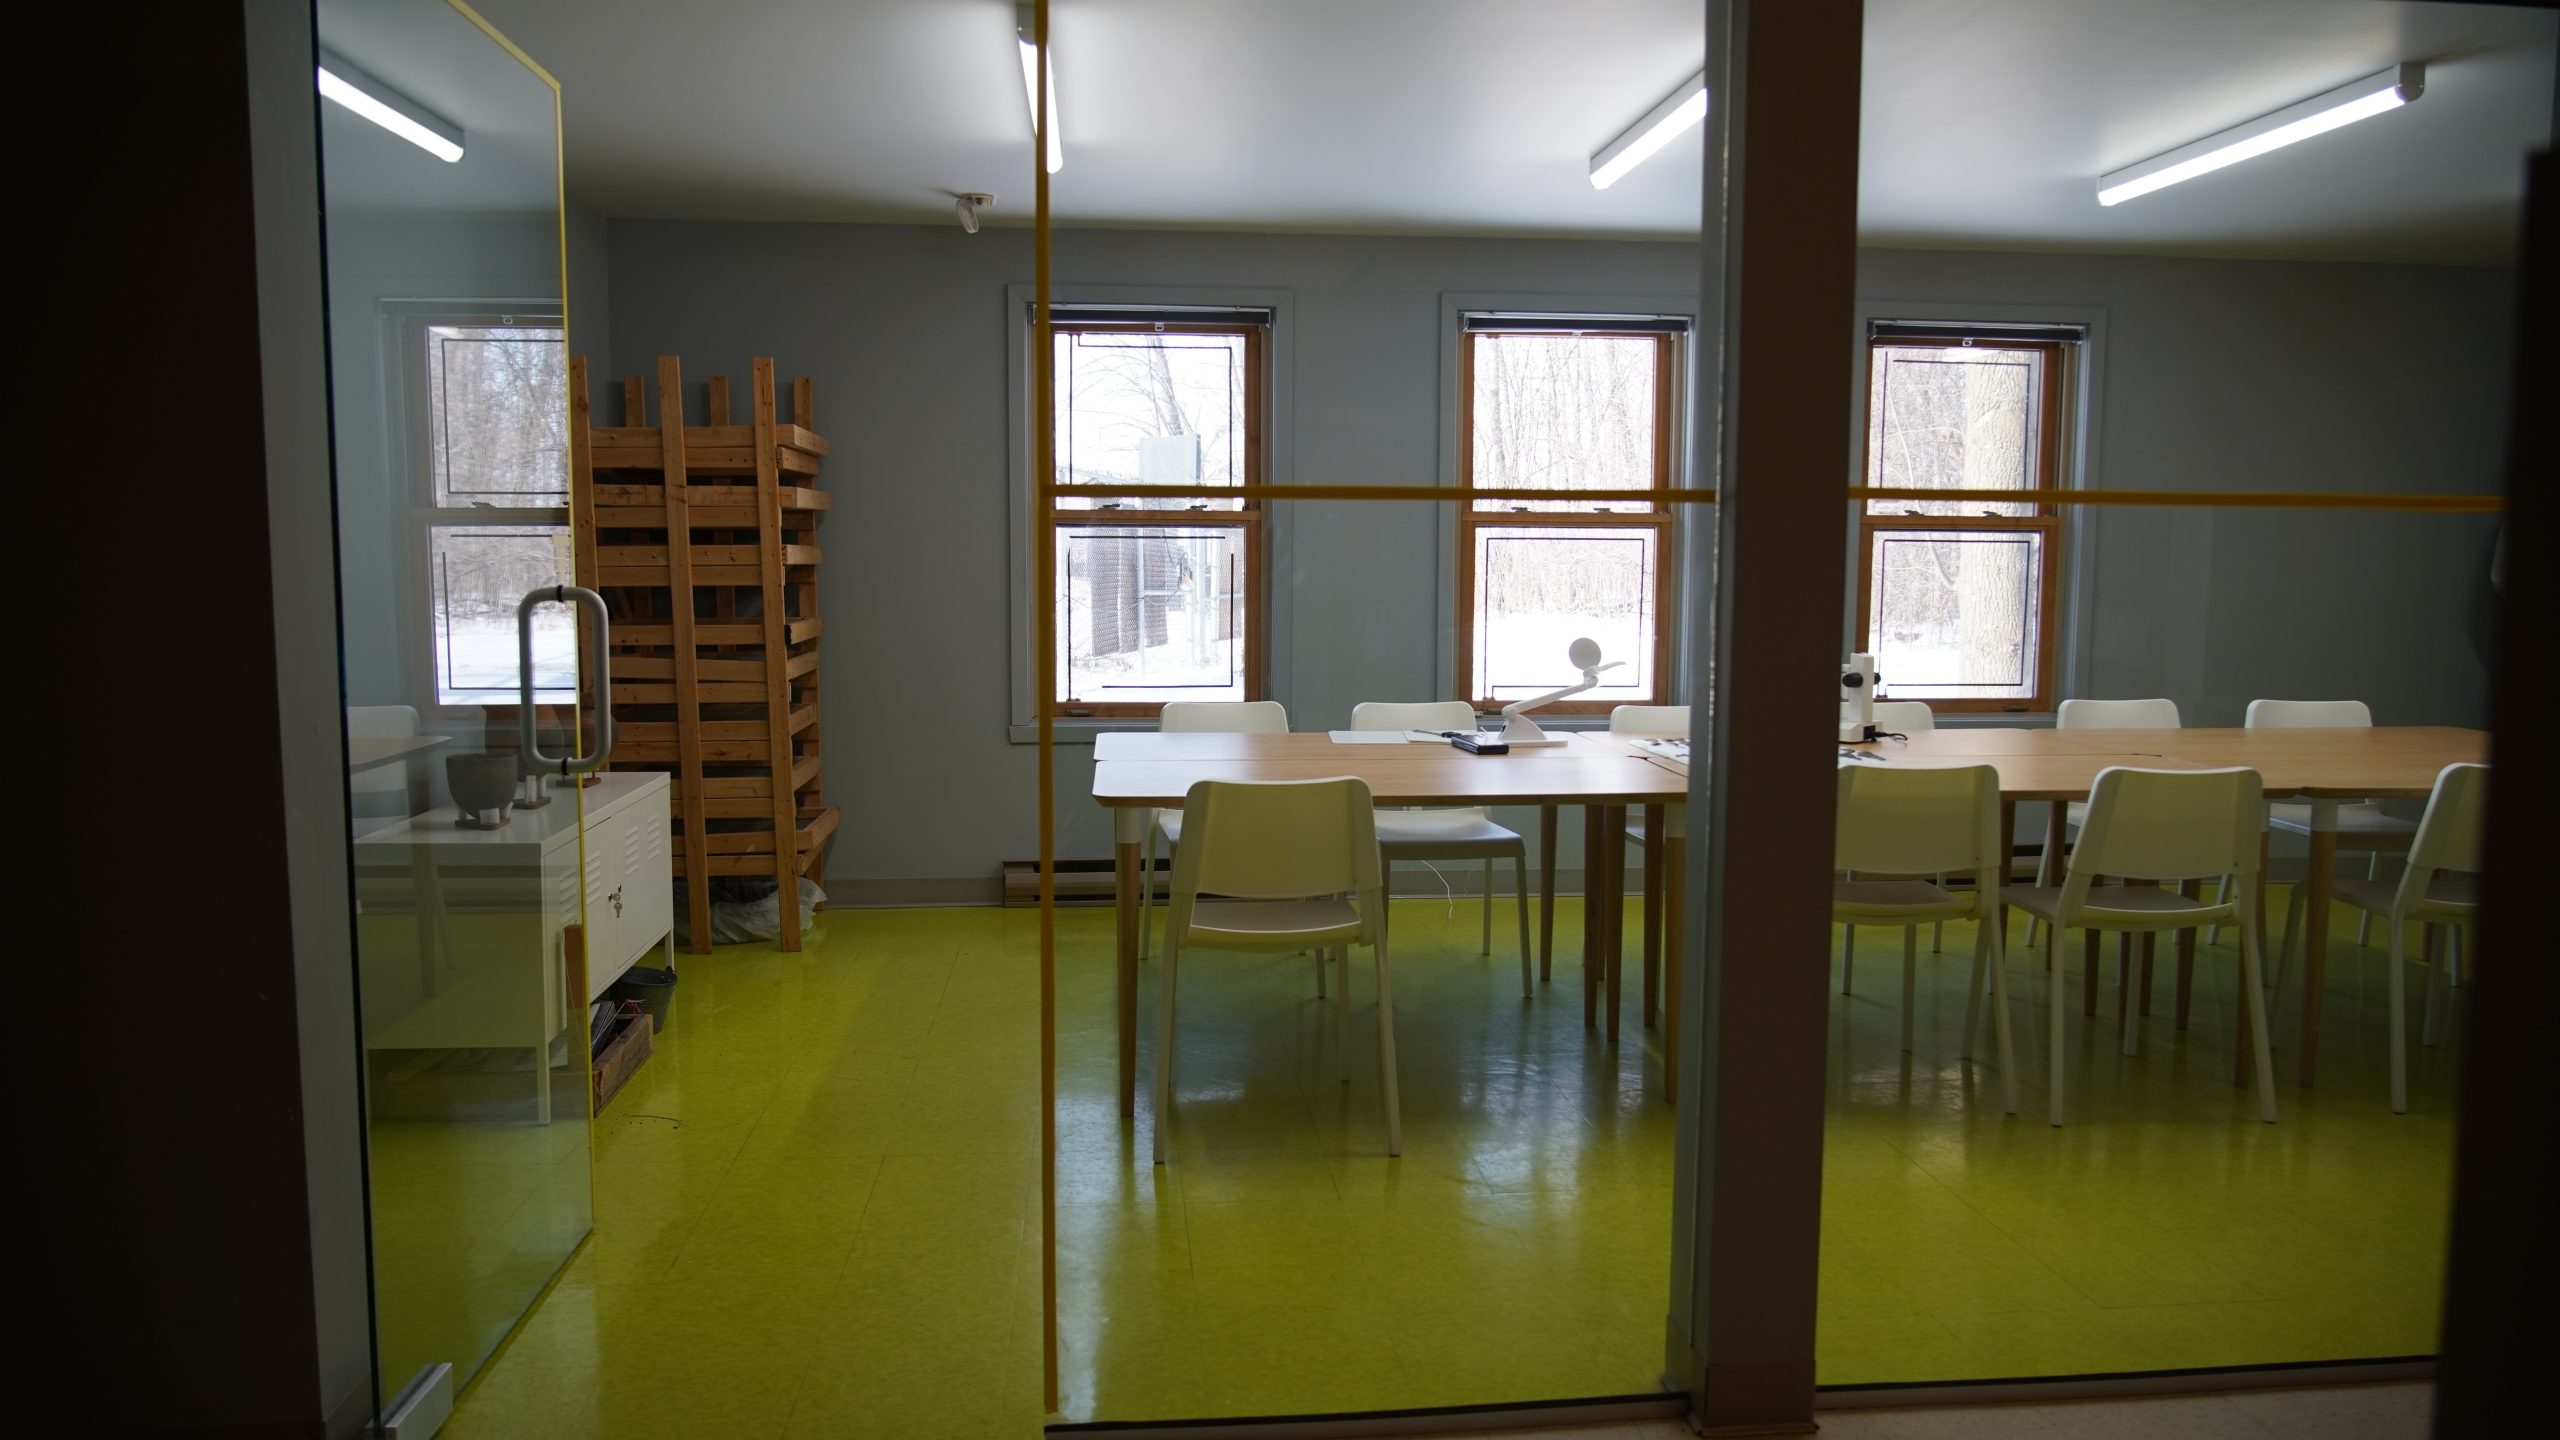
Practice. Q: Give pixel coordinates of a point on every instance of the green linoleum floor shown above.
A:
(817, 1210)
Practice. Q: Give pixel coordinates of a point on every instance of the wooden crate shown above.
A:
(703, 539)
(622, 1058)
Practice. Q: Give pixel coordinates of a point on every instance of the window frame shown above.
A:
(2046, 520)
(1248, 519)
(406, 327)
(1668, 410)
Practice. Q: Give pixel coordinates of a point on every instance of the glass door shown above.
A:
(450, 421)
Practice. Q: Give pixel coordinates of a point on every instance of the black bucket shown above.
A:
(655, 990)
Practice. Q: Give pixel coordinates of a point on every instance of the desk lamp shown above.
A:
(1518, 729)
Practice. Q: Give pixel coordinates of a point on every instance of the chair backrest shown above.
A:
(2167, 825)
(1898, 821)
(1650, 720)
(2116, 715)
(1231, 717)
(2308, 714)
(1435, 716)
(1905, 717)
(2450, 833)
(381, 722)
(1276, 840)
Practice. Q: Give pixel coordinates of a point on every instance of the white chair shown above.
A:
(1455, 833)
(1196, 717)
(1295, 866)
(1894, 717)
(2363, 828)
(2154, 827)
(1660, 721)
(1922, 822)
(2096, 715)
(2439, 887)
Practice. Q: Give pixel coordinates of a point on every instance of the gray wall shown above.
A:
(2253, 375)
(903, 329)
(2215, 375)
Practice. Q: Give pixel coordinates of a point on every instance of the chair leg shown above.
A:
(1996, 960)
(1973, 993)
(2089, 944)
(2253, 976)
(1164, 1042)
(2364, 918)
(1320, 957)
(1910, 980)
(1938, 928)
(2221, 896)
(1520, 876)
(1488, 907)
(1848, 946)
(1387, 1054)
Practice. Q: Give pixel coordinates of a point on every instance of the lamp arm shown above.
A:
(1519, 729)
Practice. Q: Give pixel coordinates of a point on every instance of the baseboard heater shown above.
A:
(1080, 882)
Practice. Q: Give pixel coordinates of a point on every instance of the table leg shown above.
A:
(1546, 892)
(1613, 829)
(2315, 930)
(2243, 1063)
(2008, 848)
(1652, 913)
(1125, 882)
(1675, 880)
(1594, 859)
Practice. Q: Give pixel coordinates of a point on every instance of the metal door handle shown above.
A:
(593, 603)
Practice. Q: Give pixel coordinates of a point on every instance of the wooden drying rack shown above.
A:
(726, 702)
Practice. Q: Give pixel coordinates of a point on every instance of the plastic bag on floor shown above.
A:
(740, 922)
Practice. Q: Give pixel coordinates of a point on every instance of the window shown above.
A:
(491, 517)
(1158, 600)
(1957, 598)
(1565, 404)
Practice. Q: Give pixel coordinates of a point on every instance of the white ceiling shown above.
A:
(1985, 121)
(441, 62)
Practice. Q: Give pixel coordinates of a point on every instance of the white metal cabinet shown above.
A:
(509, 895)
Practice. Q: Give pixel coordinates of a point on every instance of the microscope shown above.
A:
(1858, 680)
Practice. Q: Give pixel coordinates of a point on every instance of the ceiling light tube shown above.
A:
(2345, 105)
(1023, 32)
(388, 108)
(1666, 122)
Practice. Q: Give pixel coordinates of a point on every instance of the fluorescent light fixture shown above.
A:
(1023, 31)
(1661, 125)
(2345, 105)
(390, 109)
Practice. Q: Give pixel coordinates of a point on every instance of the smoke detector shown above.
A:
(966, 204)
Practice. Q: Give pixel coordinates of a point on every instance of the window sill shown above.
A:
(1081, 731)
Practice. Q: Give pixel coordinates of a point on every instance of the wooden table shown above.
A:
(1137, 772)
(2321, 766)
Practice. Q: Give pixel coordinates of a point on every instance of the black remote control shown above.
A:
(1476, 746)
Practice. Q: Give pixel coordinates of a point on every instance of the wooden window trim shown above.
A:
(1247, 519)
(2046, 520)
(1656, 517)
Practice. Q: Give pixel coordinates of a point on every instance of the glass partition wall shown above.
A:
(2041, 510)
(440, 181)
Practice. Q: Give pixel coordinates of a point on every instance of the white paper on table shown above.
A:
(1366, 737)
